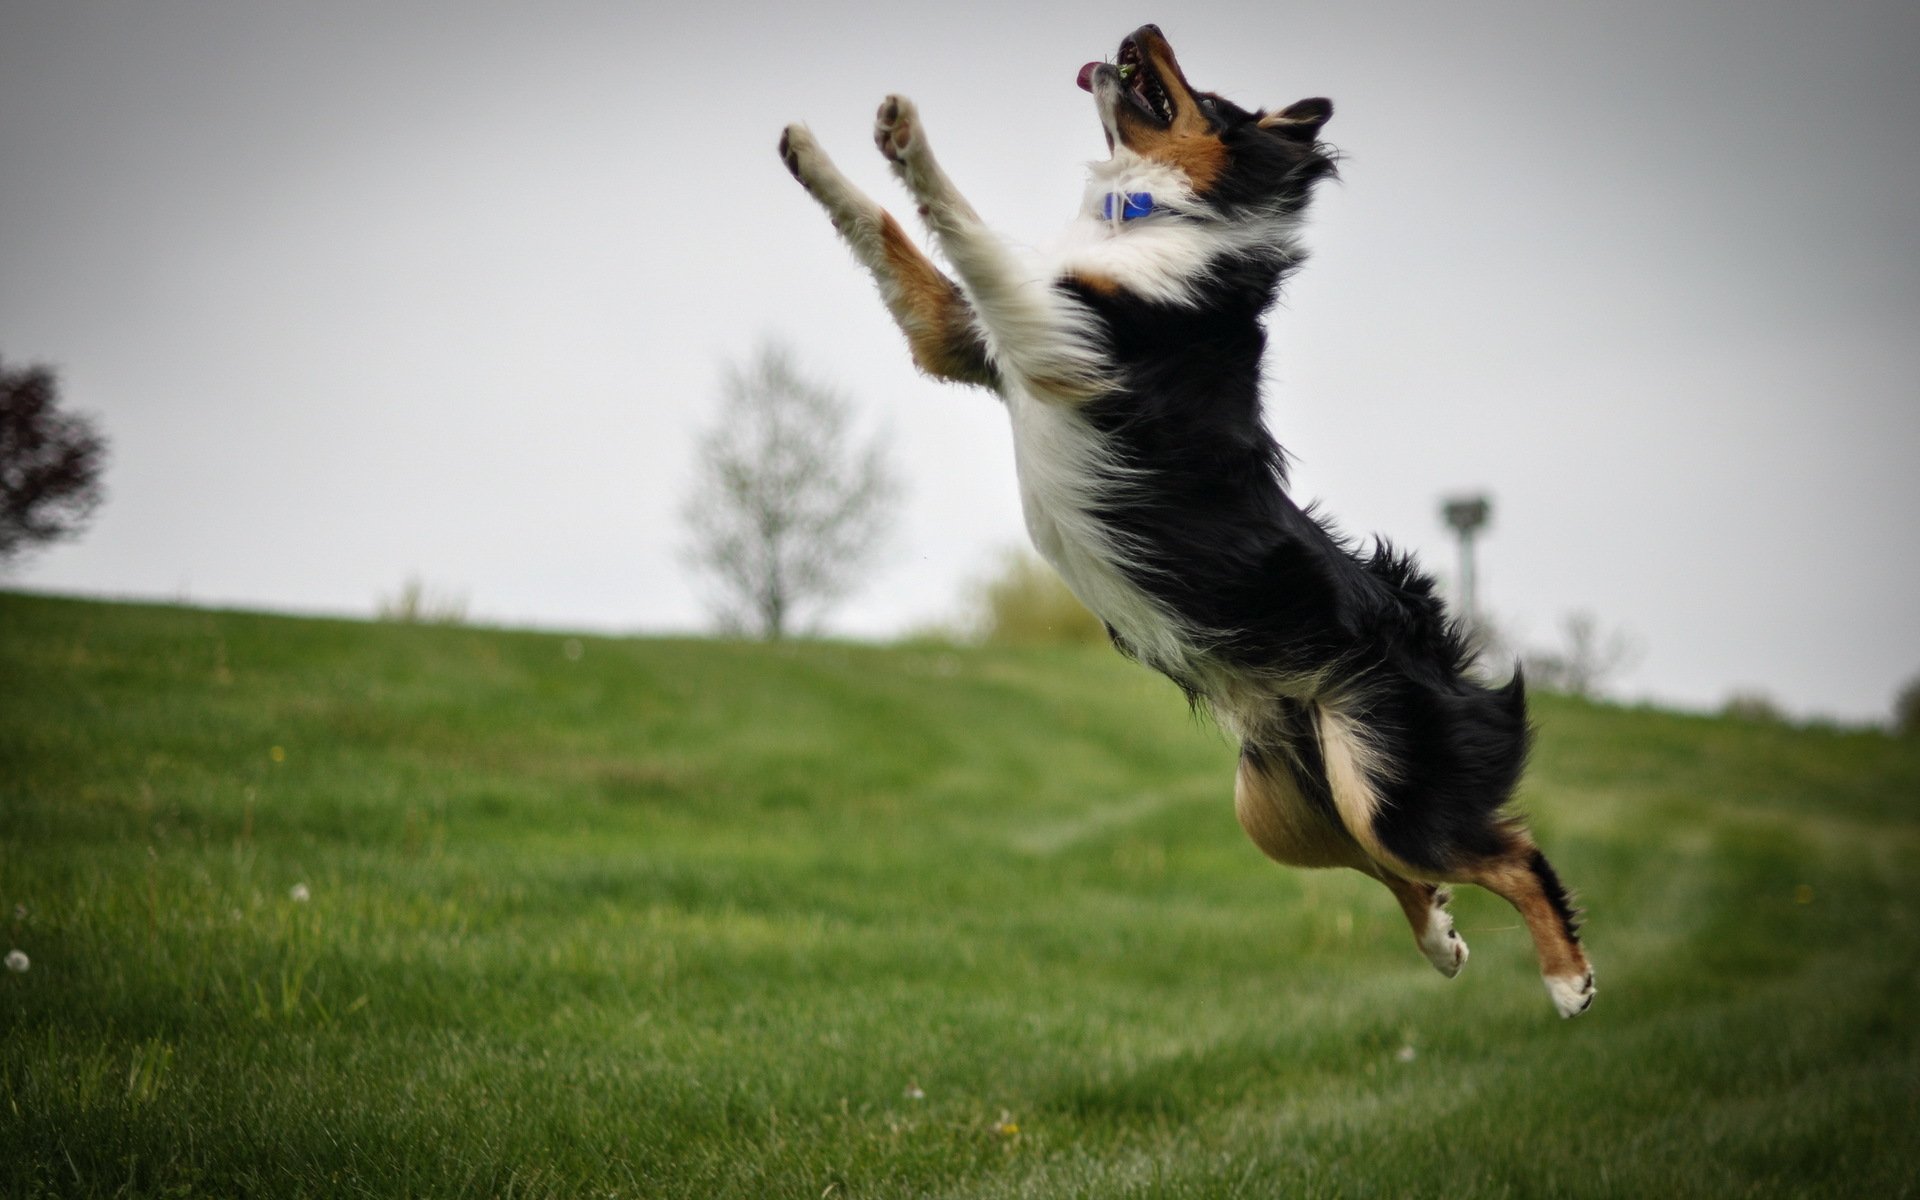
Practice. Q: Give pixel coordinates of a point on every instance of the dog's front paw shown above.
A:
(896, 128)
(801, 154)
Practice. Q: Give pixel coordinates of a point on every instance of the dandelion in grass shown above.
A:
(914, 1092)
(1006, 1126)
(299, 893)
(17, 961)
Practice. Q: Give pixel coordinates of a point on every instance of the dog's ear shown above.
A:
(1300, 120)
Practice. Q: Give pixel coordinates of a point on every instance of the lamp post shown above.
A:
(1466, 516)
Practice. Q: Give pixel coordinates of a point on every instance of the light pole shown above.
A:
(1467, 515)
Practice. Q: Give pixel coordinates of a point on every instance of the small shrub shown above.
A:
(1751, 704)
(416, 604)
(1906, 709)
(1027, 604)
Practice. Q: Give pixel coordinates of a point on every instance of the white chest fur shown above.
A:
(1065, 473)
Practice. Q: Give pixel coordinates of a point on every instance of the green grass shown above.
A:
(687, 918)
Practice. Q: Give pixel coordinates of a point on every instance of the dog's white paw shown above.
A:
(1441, 943)
(801, 154)
(852, 212)
(896, 128)
(1572, 994)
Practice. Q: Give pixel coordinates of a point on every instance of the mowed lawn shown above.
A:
(331, 908)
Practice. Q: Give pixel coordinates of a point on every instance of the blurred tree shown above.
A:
(786, 510)
(50, 463)
(1752, 704)
(1906, 709)
(1586, 662)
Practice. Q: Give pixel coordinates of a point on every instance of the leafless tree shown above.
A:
(50, 463)
(786, 510)
(1586, 662)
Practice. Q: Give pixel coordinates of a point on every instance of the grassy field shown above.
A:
(326, 908)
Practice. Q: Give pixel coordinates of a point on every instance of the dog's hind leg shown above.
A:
(1521, 874)
(1283, 821)
(1426, 907)
(1294, 829)
(929, 308)
(1525, 879)
(1354, 766)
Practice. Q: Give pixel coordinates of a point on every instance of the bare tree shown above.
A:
(787, 510)
(50, 463)
(1588, 660)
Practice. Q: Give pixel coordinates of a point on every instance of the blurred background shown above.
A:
(376, 296)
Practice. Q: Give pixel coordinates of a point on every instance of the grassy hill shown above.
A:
(327, 908)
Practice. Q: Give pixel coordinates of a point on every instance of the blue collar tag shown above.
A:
(1132, 205)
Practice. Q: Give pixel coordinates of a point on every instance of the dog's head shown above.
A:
(1231, 157)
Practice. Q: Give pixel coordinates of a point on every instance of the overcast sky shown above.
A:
(367, 290)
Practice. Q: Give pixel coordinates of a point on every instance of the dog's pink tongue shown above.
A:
(1086, 77)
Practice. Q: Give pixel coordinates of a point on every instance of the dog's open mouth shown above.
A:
(1143, 85)
(1140, 83)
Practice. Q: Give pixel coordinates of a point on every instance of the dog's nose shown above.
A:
(1153, 29)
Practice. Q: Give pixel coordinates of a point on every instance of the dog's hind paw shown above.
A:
(895, 127)
(1441, 943)
(1572, 994)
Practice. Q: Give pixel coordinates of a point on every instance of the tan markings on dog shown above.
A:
(1102, 285)
(1201, 157)
(1426, 907)
(1514, 881)
(931, 309)
(1189, 143)
(1279, 120)
(1353, 766)
(1416, 899)
(1066, 388)
(1287, 826)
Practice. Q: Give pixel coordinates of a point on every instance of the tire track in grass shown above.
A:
(1048, 839)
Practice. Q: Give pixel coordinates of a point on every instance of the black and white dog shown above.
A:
(1129, 361)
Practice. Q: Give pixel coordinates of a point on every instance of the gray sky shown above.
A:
(365, 290)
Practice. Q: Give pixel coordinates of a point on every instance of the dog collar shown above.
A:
(1131, 206)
